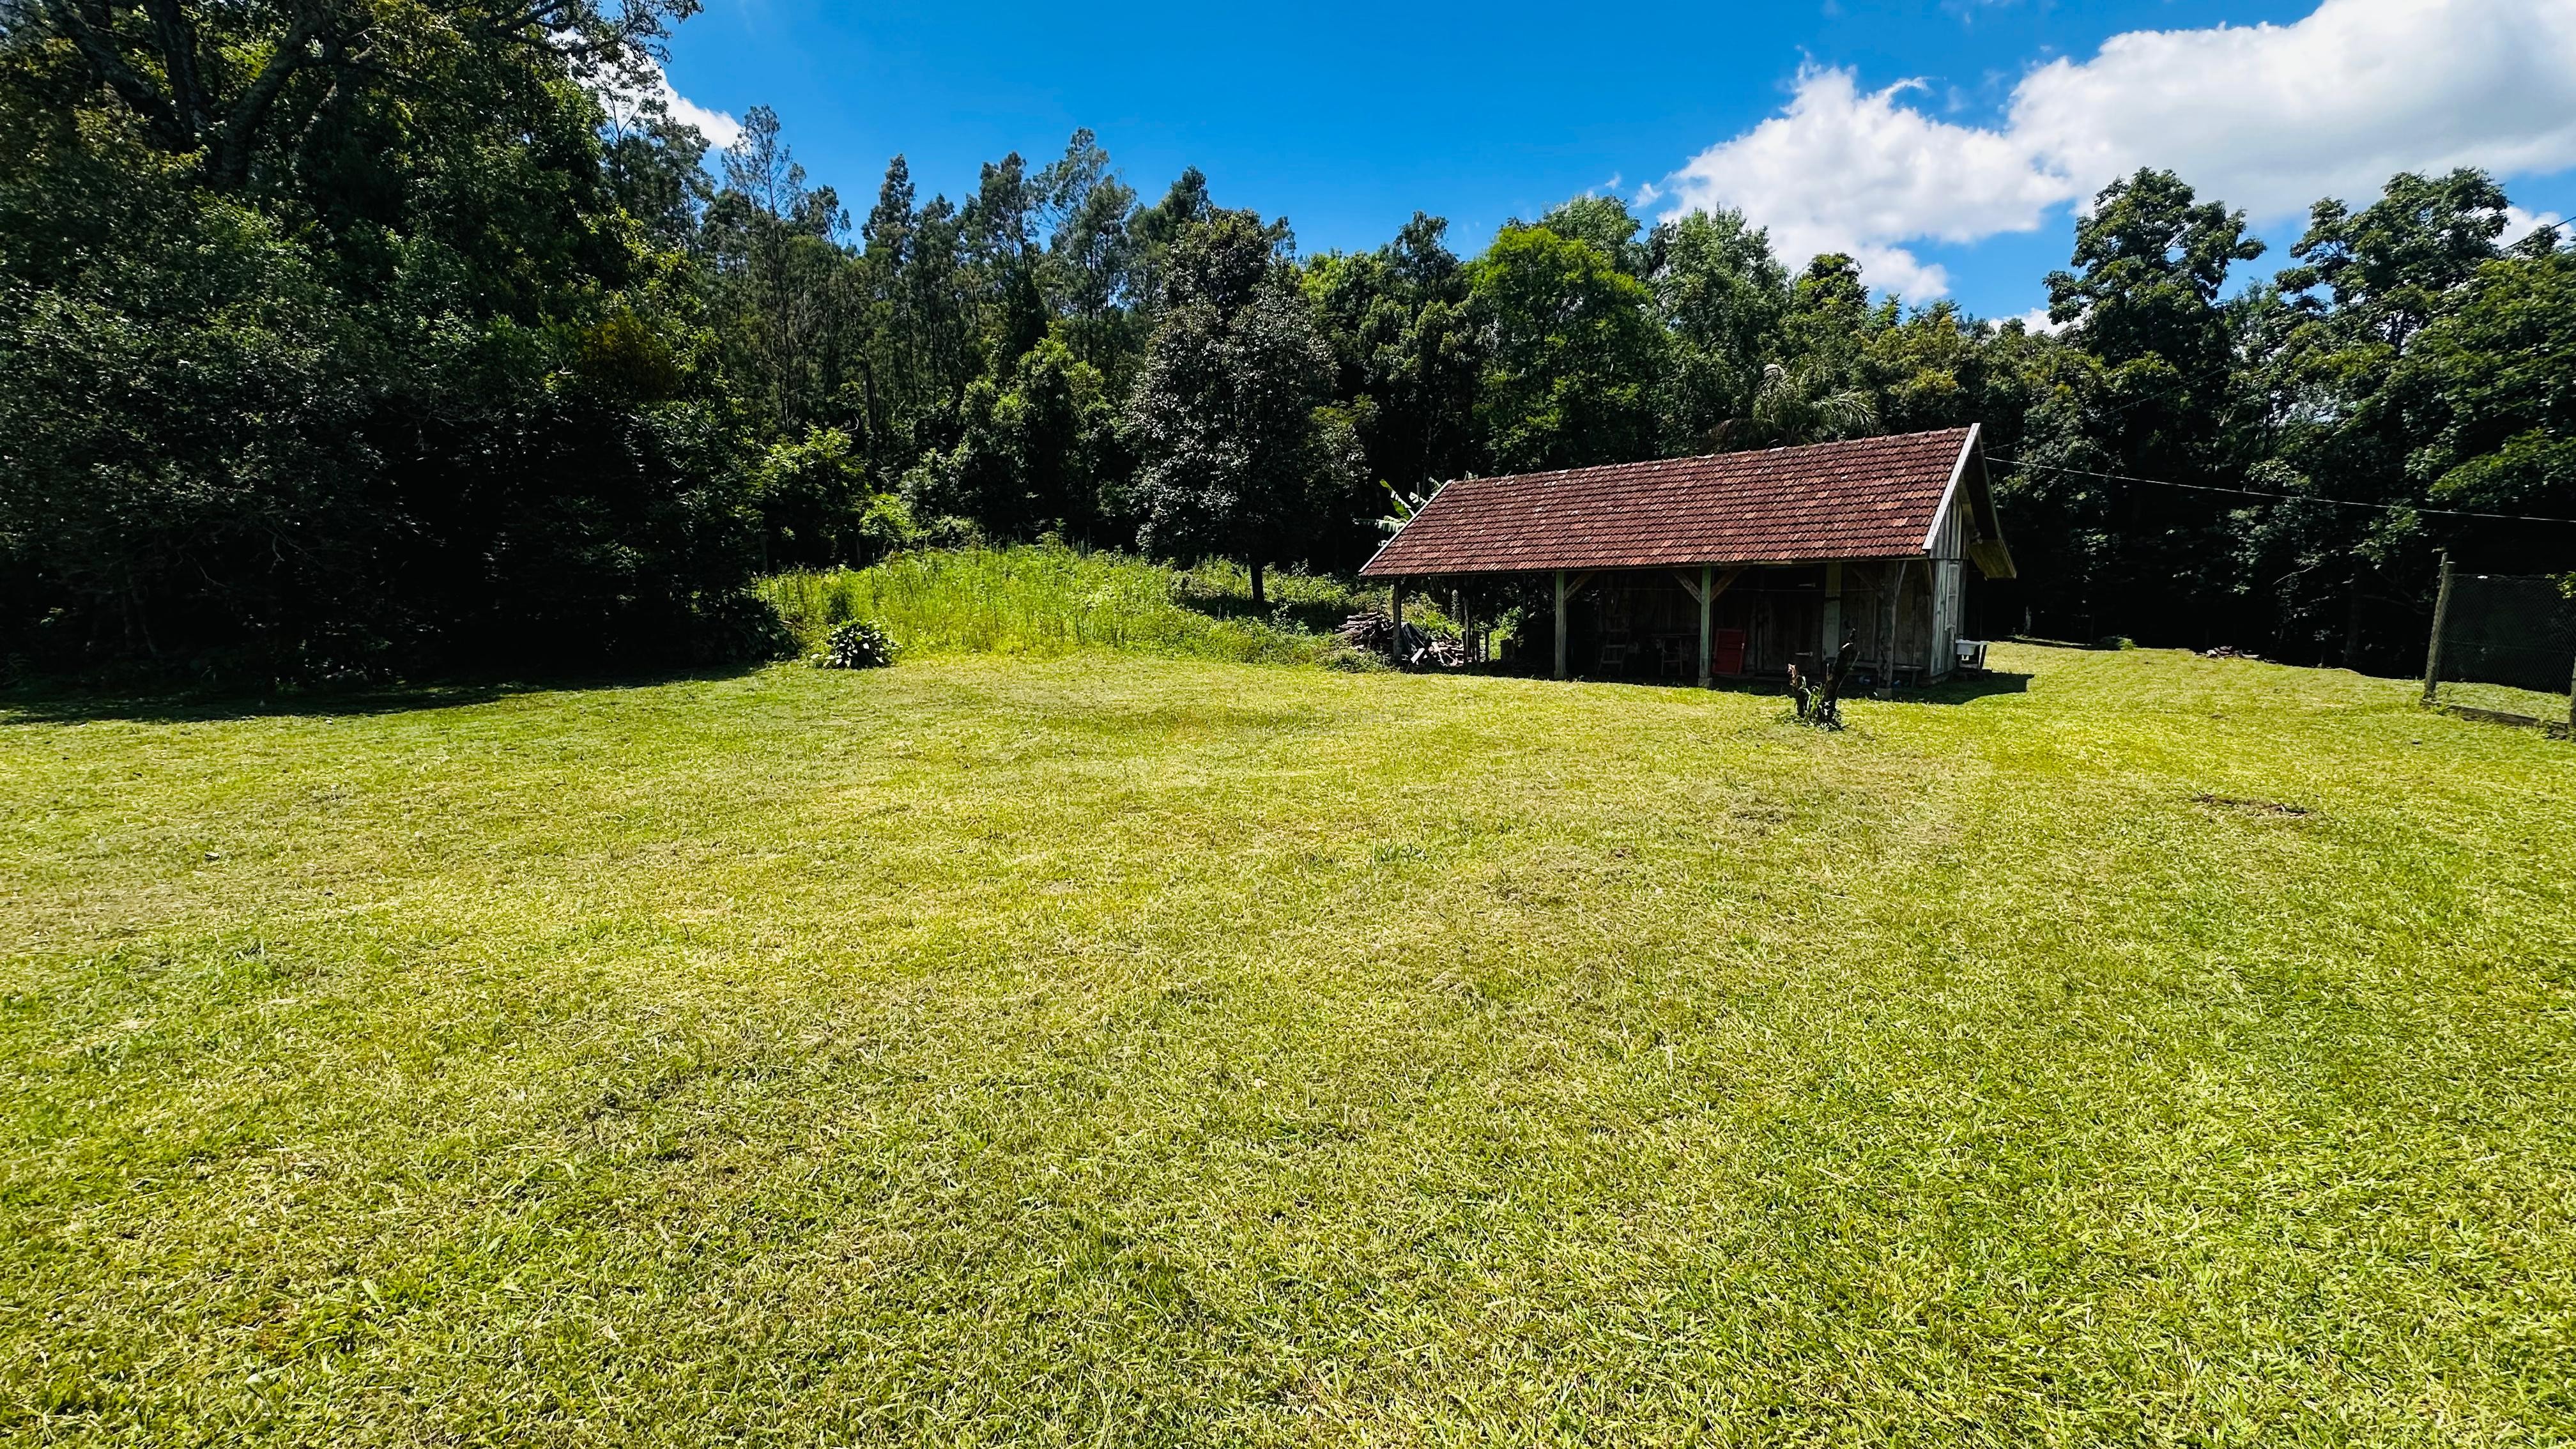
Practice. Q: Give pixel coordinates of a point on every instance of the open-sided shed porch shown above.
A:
(1732, 565)
(1760, 619)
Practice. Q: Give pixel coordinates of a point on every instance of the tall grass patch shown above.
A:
(1046, 600)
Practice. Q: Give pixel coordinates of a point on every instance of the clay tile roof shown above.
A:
(1867, 498)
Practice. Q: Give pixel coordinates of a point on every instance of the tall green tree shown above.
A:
(2143, 306)
(1407, 353)
(656, 168)
(772, 238)
(922, 336)
(2491, 389)
(1090, 254)
(1238, 449)
(2323, 349)
(1155, 230)
(325, 341)
(1721, 296)
(1607, 225)
(227, 88)
(1572, 356)
(2388, 271)
(999, 227)
(1038, 446)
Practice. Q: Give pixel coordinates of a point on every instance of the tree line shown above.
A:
(340, 336)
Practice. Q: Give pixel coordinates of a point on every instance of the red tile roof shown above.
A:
(1867, 498)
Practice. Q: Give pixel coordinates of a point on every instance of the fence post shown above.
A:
(2433, 650)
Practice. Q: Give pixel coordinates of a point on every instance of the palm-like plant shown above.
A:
(1405, 505)
(1803, 406)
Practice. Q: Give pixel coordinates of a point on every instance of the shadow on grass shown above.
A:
(57, 702)
(1959, 689)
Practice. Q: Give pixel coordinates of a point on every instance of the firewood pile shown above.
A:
(1411, 645)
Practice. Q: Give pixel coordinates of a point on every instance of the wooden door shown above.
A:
(1726, 651)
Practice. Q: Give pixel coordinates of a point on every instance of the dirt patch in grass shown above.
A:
(2272, 809)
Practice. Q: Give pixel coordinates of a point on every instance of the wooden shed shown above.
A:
(1733, 564)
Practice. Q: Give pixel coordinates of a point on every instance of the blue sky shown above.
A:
(1941, 142)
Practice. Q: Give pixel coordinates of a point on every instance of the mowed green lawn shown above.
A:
(1132, 1051)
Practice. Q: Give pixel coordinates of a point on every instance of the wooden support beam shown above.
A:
(1704, 591)
(1895, 619)
(1833, 640)
(1707, 595)
(1703, 585)
(1560, 622)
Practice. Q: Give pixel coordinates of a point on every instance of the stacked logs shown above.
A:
(1409, 646)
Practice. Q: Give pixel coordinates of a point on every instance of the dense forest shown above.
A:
(345, 337)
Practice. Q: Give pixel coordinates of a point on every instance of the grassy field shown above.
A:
(2528, 703)
(1120, 1050)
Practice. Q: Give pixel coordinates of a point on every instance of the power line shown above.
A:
(2291, 497)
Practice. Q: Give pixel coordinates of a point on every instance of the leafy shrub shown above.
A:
(739, 628)
(818, 508)
(857, 644)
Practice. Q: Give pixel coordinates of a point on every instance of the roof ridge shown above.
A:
(1919, 434)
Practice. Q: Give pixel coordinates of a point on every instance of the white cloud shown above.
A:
(2036, 320)
(2519, 223)
(1856, 171)
(719, 127)
(2273, 117)
(1894, 269)
(2265, 117)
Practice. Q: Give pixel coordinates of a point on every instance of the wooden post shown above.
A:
(1560, 623)
(1833, 614)
(1895, 616)
(1707, 601)
(2433, 650)
(1395, 614)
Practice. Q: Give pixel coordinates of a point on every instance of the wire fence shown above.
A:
(2504, 647)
